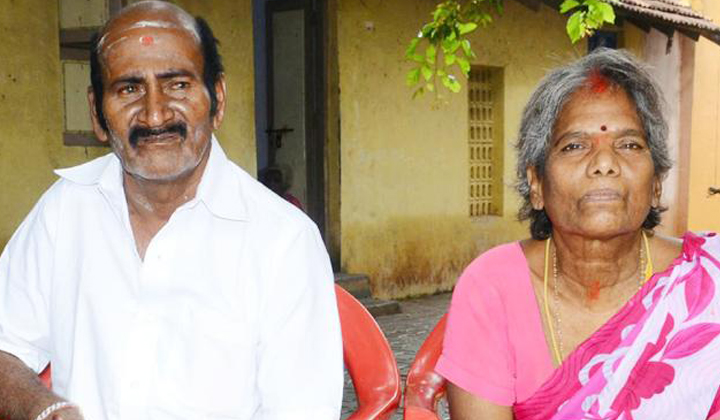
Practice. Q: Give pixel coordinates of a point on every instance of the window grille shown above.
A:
(485, 140)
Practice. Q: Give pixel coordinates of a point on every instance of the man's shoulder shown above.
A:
(73, 180)
(87, 173)
(264, 206)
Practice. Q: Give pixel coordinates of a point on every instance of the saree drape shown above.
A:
(657, 358)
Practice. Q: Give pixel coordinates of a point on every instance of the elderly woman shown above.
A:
(595, 316)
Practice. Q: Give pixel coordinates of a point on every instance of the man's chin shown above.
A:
(161, 174)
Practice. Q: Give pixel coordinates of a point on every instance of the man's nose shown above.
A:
(604, 160)
(156, 110)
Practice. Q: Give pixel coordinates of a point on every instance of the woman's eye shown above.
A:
(570, 147)
(631, 145)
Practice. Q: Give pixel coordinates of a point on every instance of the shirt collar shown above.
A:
(219, 190)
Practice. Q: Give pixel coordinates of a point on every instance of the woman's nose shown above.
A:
(603, 161)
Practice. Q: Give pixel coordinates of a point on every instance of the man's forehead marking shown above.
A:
(162, 24)
(147, 40)
(110, 45)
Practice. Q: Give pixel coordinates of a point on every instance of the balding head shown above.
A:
(160, 15)
(147, 14)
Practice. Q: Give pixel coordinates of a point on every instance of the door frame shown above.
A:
(315, 79)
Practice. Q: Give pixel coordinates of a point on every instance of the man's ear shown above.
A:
(220, 95)
(100, 132)
(536, 194)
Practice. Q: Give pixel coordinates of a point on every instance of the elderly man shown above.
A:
(161, 281)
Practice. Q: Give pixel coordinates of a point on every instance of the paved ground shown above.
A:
(406, 331)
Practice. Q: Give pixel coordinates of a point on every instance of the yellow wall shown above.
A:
(704, 210)
(231, 21)
(31, 113)
(404, 162)
(633, 39)
(30, 109)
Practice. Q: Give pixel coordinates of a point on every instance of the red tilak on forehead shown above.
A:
(147, 40)
(597, 83)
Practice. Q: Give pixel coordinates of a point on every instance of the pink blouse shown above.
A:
(494, 344)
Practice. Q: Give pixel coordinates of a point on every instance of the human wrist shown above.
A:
(51, 409)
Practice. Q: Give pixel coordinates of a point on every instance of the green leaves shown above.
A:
(466, 28)
(588, 16)
(464, 65)
(568, 5)
(430, 54)
(576, 27)
(447, 49)
(426, 72)
(413, 77)
(450, 82)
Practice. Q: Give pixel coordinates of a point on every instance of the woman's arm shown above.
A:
(466, 406)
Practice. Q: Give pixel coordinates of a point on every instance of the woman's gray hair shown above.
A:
(542, 110)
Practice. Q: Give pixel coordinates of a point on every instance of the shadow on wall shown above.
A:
(422, 255)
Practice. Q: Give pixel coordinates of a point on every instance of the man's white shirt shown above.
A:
(231, 314)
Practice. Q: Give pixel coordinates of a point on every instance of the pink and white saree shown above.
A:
(657, 358)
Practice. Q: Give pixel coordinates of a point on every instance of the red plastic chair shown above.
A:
(424, 388)
(45, 377)
(369, 361)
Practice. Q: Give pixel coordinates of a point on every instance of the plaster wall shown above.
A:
(231, 21)
(666, 67)
(31, 101)
(703, 209)
(31, 112)
(404, 162)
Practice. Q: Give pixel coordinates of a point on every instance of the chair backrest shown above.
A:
(423, 387)
(45, 377)
(369, 361)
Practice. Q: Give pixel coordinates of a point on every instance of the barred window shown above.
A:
(485, 140)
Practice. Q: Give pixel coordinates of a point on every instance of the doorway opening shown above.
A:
(290, 112)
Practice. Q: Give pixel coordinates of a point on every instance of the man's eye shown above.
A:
(180, 85)
(128, 89)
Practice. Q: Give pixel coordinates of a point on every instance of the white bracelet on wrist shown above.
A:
(53, 408)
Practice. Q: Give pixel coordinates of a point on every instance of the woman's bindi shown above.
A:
(147, 40)
(603, 128)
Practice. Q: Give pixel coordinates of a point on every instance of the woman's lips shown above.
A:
(601, 196)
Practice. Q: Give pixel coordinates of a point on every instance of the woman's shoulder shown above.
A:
(668, 250)
(664, 250)
(496, 266)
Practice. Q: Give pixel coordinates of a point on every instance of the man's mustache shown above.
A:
(136, 133)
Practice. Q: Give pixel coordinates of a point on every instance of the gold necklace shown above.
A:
(557, 344)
